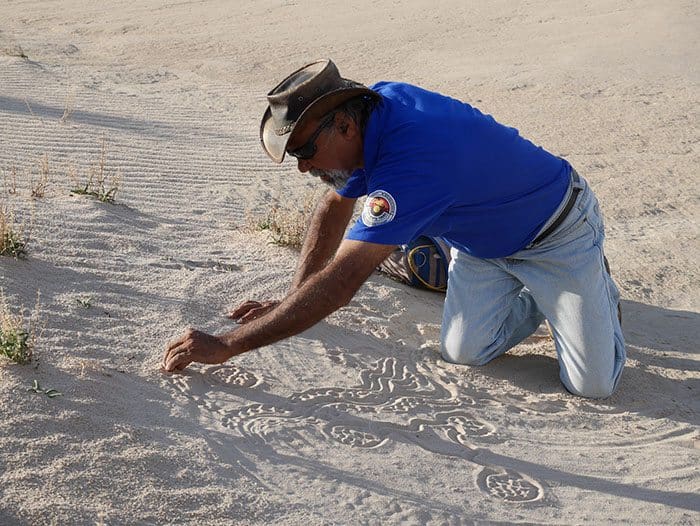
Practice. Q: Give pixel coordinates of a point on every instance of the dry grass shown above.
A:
(9, 181)
(41, 183)
(68, 108)
(285, 222)
(17, 331)
(100, 183)
(13, 50)
(38, 177)
(85, 367)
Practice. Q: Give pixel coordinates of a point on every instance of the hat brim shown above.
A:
(276, 145)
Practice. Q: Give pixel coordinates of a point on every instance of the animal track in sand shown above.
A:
(423, 411)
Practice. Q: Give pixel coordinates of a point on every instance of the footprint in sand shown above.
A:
(509, 486)
(353, 437)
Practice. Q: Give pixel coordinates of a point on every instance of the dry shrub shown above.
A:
(286, 222)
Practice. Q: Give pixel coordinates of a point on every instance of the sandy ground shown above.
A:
(357, 421)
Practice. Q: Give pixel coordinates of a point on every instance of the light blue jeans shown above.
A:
(493, 304)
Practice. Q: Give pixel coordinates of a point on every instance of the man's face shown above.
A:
(334, 178)
(336, 146)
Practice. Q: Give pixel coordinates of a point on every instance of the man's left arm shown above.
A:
(321, 294)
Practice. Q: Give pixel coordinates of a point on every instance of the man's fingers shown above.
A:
(181, 366)
(178, 368)
(251, 310)
(243, 309)
(177, 358)
(249, 316)
(254, 314)
(174, 354)
(174, 343)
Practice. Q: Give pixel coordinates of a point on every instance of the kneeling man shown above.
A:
(525, 229)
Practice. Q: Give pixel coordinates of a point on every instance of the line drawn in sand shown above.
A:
(392, 403)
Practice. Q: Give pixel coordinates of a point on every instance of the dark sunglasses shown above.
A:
(308, 149)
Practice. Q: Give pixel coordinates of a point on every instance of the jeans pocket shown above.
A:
(595, 219)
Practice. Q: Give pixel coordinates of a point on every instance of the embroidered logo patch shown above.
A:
(380, 208)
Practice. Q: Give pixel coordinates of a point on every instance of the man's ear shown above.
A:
(347, 127)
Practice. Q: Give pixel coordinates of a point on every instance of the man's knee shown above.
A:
(460, 345)
(590, 374)
(591, 387)
(461, 356)
(459, 351)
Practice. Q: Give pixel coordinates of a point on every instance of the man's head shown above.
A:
(319, 118)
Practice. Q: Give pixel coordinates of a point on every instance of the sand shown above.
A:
(357, 420)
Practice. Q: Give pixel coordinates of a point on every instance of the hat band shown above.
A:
(284, 129)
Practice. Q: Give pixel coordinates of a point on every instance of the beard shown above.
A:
(336, 179)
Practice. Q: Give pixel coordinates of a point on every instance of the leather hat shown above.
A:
(311, 91)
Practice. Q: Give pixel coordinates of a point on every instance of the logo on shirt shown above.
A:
(380, 208)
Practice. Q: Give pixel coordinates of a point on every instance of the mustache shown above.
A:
(334, 178)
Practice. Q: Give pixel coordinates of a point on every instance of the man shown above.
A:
(524, 227)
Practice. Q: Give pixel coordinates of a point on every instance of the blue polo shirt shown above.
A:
(436, 166)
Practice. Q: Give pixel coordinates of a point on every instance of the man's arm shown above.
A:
(319, 295)
(323, 236)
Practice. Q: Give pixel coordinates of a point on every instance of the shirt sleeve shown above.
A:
(399, 207)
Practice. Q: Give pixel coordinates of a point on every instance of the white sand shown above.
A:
(357, 421)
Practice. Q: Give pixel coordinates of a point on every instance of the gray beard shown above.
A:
(334, 178)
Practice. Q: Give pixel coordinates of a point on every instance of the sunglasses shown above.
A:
(308, 149)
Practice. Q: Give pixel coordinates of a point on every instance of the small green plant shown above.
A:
(96, 183)
(14, 344)
(13, 242)
(15, 338)
(36, 388)
(85, 302)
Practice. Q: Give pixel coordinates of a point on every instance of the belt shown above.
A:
(565, 211)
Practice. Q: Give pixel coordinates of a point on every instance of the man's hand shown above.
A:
(251, 310)
(195, 346)
(321, 293)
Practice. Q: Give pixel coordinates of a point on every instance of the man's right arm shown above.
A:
(323, 236)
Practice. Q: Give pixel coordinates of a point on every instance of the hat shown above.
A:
(311, 91)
